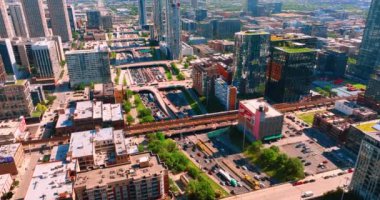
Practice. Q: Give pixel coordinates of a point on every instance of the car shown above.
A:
(299, 157)
(350, 170)
(303, 160)
(237, 167)
(311, 142)
(197, 161)
(257, 177)
(199, 154)
(307, 194)
(210, 172)
(325, 162)
(312, 180)
(298, 183)
(342, 173)
(222, 183)
(308, 163)
(244, 167)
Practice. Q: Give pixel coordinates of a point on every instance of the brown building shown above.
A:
(328, 122)
(206, 70)
(144, 178)
(104, 92)
(87, 115)
(15, 99)
(221, 46)
(11, 157)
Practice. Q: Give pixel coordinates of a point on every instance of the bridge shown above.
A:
(186, 125)
(130, 49)
(146, 64)
(193, 124)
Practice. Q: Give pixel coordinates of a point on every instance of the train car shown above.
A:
(227, 176)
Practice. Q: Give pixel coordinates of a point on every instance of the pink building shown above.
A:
(259, 120)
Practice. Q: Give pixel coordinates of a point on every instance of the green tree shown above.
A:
(255, 147)
(124, 81)
(41, 108)
(199, 190)
(186, 65)
(140, 147)
(193, 172)
(180, 76)
(127, 106)
(130, 119)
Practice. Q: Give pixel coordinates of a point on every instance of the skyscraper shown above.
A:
(3, 74)
(46, 59)
(94, 19)
(107, 22)
(59, 18)
(18, 20)
(159, 29)
(252, 7)
(86, 66)
(71, 12)
(173, 29)
(6, 30)
(373, 87)
(35, 18)
(251, 52)
(369, 54)
(8, 56)
(289, 73)
(365, 181)
(142, 12)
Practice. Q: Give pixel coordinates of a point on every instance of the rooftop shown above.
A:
(51, 181)
(367, 127)
(254, 104)
(4, 178)
(59, 153)
(100, 177)
(252, 32)
(295, 49)
(8, 150)
(81, 144)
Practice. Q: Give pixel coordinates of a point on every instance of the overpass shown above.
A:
(186, 125)
(146, 64)
(193, 124)
(130, 49)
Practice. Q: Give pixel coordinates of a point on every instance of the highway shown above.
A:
(289, 192)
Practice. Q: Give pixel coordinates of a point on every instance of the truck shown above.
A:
(226, 176)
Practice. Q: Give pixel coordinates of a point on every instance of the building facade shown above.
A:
(46, 60)
(18, 19)
(72, 19)
(15, 99)
(59, 18)
(369, 52)
(107, 22)
(173, 29)
(373, 88)
(259, 121)
(6, 30)
(89, 66)
(226, 94)
(159, 29)
(35, 18)
(289, 73)
(8, 57)
(12, 157)
(365, 181)
(94, 19)
(142, 12)
(251, 54)
(144, 178)
(252, 7)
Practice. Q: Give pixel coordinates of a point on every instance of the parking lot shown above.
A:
(147, 75)
(311, 155)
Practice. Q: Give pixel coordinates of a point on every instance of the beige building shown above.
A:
(6, 182)
(145, 177)
(15, 99)
(11, 158)
(59, 17)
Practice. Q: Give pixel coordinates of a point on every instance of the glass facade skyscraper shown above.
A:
(251, 54)
(369, 54)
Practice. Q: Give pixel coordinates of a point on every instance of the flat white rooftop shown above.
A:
(254, 104)
(50, 181)
(81, 143)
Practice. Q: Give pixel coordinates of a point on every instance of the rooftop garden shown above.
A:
(296, 49)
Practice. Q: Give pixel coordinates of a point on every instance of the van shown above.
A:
(307, 194)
